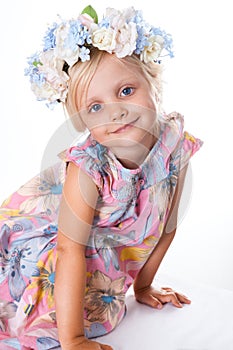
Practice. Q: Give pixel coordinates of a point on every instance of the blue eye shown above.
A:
(95, 108)
(127, 91)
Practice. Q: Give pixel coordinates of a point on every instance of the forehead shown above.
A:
(111, 72)
(110, 65)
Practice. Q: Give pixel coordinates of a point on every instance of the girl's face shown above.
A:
(119, 109)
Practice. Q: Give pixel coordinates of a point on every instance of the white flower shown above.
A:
(152, 51)
(44, 92)
(68, 53)
(86, 20)
(125, 30)
(104, 39)
(126, 40)
(55, 85)
(118, 19)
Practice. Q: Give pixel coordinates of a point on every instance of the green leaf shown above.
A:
(37, 63)
(91, 12)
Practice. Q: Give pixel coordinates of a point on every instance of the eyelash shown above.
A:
(91, 109)
(127, 88)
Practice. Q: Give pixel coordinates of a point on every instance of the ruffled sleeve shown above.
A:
(89, 157)
(180, 144)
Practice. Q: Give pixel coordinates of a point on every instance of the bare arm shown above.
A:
(75, 220)
(144, 292)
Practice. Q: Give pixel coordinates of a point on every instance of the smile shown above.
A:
(125, 127)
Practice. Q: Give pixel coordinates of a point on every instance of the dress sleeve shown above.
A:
(86, 158)
(182, 144)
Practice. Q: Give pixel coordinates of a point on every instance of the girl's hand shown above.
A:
(155, 298)
(82, 343)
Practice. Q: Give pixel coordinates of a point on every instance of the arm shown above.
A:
(144, 292)
(75, 219)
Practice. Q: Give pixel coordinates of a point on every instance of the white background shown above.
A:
(198, 84)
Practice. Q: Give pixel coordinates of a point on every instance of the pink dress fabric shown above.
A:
(131, 213)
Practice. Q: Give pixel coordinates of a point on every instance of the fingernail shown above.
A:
(159, 306)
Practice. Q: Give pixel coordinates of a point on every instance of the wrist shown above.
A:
(70, 343)
(141, 283)
(138, 289)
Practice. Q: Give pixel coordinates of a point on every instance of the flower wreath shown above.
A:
(122, 33)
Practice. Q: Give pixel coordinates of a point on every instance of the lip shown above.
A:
(125, 127)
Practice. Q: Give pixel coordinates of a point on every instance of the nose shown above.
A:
(117, 112)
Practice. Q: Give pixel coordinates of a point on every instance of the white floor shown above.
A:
(205, 324)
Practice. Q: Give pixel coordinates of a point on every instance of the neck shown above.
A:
(133, 156)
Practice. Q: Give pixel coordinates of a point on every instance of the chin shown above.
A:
(119, 142)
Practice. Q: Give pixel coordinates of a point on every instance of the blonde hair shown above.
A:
(82, 73)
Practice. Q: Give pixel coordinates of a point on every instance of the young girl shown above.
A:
(104, 216)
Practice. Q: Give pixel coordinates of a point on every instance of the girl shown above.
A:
(121, 185)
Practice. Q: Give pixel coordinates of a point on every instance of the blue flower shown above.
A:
(33, 72)
(138, 18)
(51, 105)
(83, 35)
(74, 37)
(104, 23)
(168, 42)
(84, 54)
(78, 35)
(50, 38)
(141, 41)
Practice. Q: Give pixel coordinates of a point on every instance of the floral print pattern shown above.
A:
(104, 298)
(18, 260)
(7, 311)
(131, 212)
(42, 192)
(43, 279)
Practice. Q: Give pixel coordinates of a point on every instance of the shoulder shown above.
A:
(89, 156)
(181, 144)
(85, 148)
(172, 126)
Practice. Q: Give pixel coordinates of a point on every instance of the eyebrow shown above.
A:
(89, 101)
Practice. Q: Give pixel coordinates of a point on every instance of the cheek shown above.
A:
(148, 122)
(149, 114)
(98, 133)
(96, 120)
(147, 104)
(152, 104)
(91, 121)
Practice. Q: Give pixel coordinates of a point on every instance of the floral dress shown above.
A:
(131, 212)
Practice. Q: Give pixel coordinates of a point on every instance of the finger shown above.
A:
(170, 297)
(106, 347)
(183, 299)
(167, 289)
(155, 303)
(98, 346)
(151, 301)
